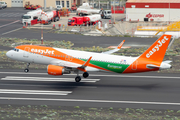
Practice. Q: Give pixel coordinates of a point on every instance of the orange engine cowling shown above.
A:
(55, 70)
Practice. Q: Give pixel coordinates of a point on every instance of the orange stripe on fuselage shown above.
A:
(51, 52)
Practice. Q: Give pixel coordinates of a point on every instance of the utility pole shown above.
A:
(114, 10)
(169, 12)
(41, 33)
(99, 4)
(44, 4)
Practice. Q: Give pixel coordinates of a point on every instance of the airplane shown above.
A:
(63, 61)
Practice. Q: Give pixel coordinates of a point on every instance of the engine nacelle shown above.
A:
(55, 70)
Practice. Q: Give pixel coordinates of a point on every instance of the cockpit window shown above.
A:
(17, 50)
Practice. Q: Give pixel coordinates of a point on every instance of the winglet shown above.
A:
(121, 44)
(86, 63)
(116, 49)
(82, 68)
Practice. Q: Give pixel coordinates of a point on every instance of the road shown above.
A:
(10, 20)
(146, 90)
(10, 27)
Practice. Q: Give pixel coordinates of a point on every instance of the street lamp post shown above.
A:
(169, 12)
(114, 10)
(44, 4)
(41, 33)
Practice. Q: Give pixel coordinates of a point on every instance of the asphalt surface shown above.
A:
(11, 27)
(82, 41)
(146, 90)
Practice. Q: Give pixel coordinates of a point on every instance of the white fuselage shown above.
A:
(30, 57)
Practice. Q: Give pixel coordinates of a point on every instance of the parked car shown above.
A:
(1, 6)
(4, 4)
(58, 7)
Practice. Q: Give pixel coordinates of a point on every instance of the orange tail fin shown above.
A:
(153, 56)
(157, 51)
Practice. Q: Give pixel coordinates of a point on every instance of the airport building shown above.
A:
(152, 10)
(52, 3)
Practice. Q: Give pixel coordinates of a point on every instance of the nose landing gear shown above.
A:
(78, 79)
(27, 68)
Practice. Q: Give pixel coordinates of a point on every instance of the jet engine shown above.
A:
(55, 70)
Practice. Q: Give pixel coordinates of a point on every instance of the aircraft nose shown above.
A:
(8, 54)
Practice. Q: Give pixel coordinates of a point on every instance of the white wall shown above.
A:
(140, 13)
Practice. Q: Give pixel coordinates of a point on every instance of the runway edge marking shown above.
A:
(93, 101)
(167, 77)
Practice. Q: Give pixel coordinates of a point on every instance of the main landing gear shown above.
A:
(78, 78)
(27, 68)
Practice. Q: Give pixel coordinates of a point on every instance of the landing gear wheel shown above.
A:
(26, 70)
(85, 74)
(78, 79)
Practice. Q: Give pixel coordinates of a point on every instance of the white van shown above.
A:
(58, 7)
(4, 4)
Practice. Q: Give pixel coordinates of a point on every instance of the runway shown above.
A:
(146, 90)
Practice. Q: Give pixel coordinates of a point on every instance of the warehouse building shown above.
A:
(152, 10)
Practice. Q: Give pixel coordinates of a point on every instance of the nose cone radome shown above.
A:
(8, 54)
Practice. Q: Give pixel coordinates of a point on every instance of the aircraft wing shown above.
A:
(116, 49)
(73, 66)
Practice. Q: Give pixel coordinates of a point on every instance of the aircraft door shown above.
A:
(26, 52)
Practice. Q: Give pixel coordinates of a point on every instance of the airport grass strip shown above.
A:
(45, 112)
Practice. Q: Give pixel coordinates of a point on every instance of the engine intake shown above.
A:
(55, 70)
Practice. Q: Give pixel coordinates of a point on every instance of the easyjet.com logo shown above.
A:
(157, 47)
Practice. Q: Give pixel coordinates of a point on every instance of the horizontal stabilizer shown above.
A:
(167, 61)
(151, 66)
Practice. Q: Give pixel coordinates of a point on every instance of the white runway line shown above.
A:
(3, 14)
(34, 92)
(10, 23)
(12, 30)
(46, 79)
(28, 85)
(100, 75)
(10, 14)
(92, 101)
